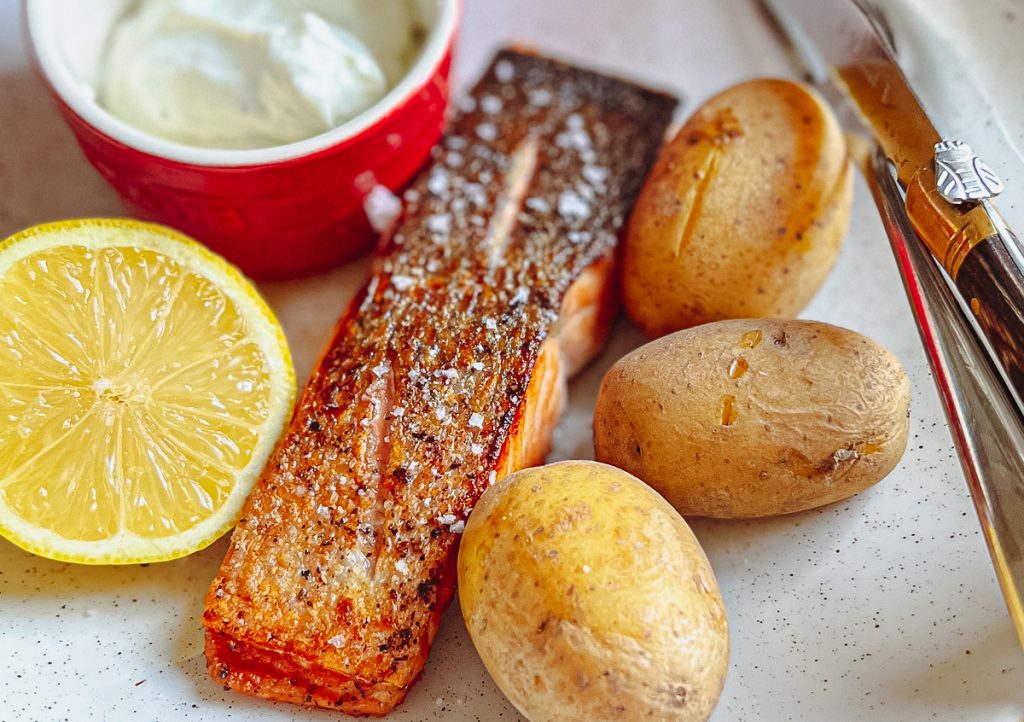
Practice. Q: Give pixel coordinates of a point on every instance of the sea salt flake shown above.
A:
(572, 207)
(458, 527)
(438, 181)
(402, 566)
(504, 71)
(538, 204)
(382, 208)
(476, 421)
(487, 132)
(491, 104)
(322, 510)
(476, 448)
(439, 223)
(402, 283)
(541, 97)
(476, 194)
(595, 174)
(337, 641)
(398, 412)
(380, 370)
(447, 519)
(490, 324)
(477, 365)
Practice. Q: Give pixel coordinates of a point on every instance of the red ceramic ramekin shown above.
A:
(276, 212)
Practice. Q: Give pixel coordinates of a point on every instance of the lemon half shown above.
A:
(143, 384)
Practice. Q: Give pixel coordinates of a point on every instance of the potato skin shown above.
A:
(744, 213)
(588, 598)
(750, 418)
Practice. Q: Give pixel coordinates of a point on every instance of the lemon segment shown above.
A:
(143, 384)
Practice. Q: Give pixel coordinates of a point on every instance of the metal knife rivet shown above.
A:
(961, 176)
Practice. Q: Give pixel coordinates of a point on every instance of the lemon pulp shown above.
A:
(142, 384)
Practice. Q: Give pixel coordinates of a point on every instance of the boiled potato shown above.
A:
(751, 418)
(588, 598)
(743, 214)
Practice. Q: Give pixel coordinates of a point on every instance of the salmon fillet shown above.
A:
(446, 372)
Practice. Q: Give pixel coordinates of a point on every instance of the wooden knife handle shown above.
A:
(993, 287)
(972, 243)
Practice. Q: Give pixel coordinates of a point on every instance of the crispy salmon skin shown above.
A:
(446, 372)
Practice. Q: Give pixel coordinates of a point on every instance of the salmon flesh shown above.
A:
(447, 371)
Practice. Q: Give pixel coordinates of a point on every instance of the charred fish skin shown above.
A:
(341, 564)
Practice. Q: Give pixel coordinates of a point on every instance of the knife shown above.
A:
(935, 199)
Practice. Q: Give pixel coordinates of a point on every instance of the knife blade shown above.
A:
(942, 193)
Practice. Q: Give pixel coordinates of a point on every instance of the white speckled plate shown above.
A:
(880, 608)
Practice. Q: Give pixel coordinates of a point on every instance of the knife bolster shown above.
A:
(949, 231)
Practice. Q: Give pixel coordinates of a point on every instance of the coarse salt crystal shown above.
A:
(541, 97)
(522, 295)
(572, 207)
(398, 412)
(487, 132)
(447, 519)
(448, 373)
(467, 103)
(575, 122)
(477, 365)
(439, 223)
(382, 208)
(456, 142)
(476, 448)
(476, 421)
(490, 324)
(504, 71)
(440, 412)
(595, 174)
(402, 566)
(586, 569)
(538, 204)
(322, 510)
(492, 477)
(455, 159)
(300, 491)
(438, 181)
(476, 194)
(491, 104)
(402, 283)
(458, 527)
(337, 641)
(380, 369)
(411, 195)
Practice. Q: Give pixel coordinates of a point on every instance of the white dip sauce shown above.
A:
(254, 73)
